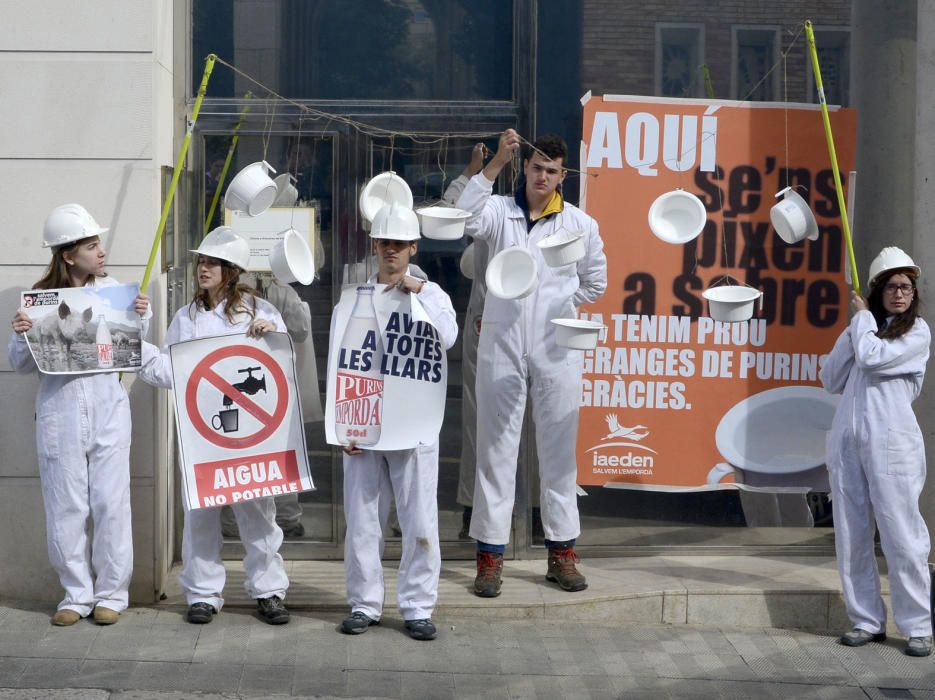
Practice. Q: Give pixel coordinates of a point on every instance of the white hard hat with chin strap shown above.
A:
(67, 224)
(891, 258)
(223, 244)
(395, 222)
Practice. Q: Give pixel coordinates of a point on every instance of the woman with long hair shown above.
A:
(83, 442)
(224, 306)
(876, 457)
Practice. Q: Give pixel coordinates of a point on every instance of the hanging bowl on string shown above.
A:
(563, 247)
(677, 216)
(467, 262)
(443, 223)
(252, 191)
(512, 274)
(578, 334)
(286, 193)
(793, 218)
(731, 303)
(383, 189)
(291, 260)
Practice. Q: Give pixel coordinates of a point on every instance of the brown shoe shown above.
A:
(489, 568)
(562, 569)
(65, 618)
(105, 616)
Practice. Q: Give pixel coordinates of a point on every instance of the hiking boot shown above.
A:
(858, 637)
(423, 630)
(918, 646)
(357, 623)
(65, 618)
(272, 611)
(293, 529)
(105, 616)
(562, 569)
(489, 568)
(200, 613)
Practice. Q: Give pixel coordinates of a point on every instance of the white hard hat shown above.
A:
(67, 224)
(222, 243)
(891, 258)
(395, 222)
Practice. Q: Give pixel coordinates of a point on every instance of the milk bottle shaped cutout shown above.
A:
(358, 405)
(105, 346)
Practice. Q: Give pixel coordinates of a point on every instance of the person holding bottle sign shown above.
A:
(372, 478)
(876, 456)
(83, 440)
(224, 306)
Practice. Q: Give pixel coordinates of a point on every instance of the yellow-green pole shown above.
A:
(708, 85)
(810, 35)
(227, 163)
(179, 164)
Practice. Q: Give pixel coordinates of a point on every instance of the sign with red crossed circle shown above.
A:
(204, 372)
(239, 421)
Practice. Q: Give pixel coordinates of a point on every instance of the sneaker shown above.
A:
(272, 611)
(423, 630)
(200, 613)
(65, 618)
(918, 646)
(489, 570)
(858, 637)
(357, 623)
(562, 569)
(293, 530)
(105, 616)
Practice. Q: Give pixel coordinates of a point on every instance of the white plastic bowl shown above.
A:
(467, 262)
(252, 191)
(677, 217)
(384, 189)
(732, 303)
(563, 248)
(291, 259)
(778, 431)
(512, 274)
(443, 223)
(286, 193)
(578, 334)
(793, 218)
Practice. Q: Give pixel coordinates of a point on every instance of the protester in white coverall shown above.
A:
(518, 354)
(222, 306)
(476, 262)
(298, 319)
(373, 478)
(876, 457)
(83, 441)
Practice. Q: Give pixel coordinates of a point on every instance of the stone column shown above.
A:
(923, 249)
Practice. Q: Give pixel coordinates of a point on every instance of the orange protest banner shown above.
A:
(658, 394)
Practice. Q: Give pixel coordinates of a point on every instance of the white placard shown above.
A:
(239, 419)
(387, 373)
(264, 231)
(83, 330)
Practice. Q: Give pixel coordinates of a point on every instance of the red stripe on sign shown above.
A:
(240, 479)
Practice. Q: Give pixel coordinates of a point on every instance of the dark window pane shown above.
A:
(359, 49)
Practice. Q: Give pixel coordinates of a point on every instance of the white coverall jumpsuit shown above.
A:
(371, 481)
(517, 351)
(876, 461)
(298, 319)
(202, 578)
(83, 441)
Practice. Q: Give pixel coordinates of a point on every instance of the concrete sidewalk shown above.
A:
(533, 642)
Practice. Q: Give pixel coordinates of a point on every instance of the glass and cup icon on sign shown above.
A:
(228, 419)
